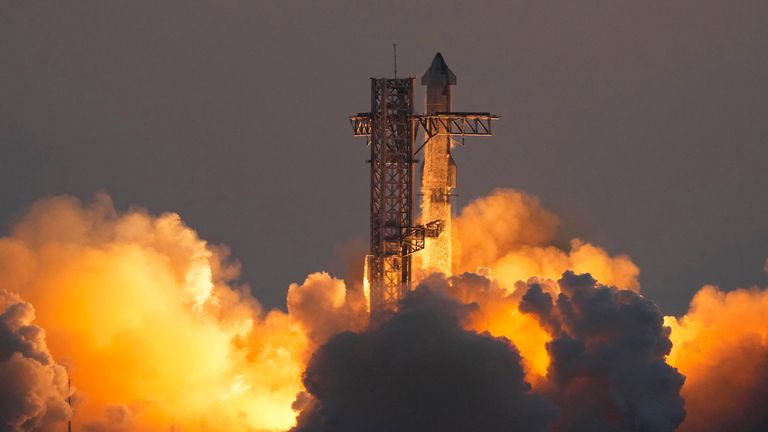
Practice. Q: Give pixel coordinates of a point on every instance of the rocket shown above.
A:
(438, 170)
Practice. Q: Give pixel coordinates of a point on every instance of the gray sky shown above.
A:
(641, 124)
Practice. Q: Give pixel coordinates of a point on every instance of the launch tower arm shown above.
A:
(446, 123)
(457, 123)
(361, 124)
(413, 237)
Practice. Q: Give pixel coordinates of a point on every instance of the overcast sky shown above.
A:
(643, 125)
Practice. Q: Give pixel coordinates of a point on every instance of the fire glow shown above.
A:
(146, 320)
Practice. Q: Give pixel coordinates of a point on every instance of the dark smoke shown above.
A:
(608, 370)
(33, 389)
(420, 371)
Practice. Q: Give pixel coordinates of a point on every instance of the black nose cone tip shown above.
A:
(438, 73)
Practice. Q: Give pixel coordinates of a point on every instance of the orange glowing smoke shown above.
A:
(155, 333)
(496, 312)
(146, 319)
(507, 236)
(721, 346)
(510, 233)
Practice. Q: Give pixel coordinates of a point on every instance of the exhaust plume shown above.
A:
(510, 233)
(420, 370)
(721, 345)
(506, 238)
(323, 307)
(156, 330)
(158, 334)
(496, 310)
(427, 368)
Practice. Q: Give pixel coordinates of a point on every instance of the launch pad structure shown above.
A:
(391, 128)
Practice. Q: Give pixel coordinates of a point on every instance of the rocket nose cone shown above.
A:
(438, 73)
(438, 60)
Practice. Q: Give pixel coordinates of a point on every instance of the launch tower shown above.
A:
(391, 127)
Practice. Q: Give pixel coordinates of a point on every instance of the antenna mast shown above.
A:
(394, 46)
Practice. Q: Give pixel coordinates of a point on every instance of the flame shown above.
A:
(367, 281)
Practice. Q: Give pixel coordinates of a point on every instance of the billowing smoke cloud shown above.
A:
(158, 335)
(604, 354)
(33, 388)
(420, 370)
(608, 370)
(323, 306)
(151, 322)
(510, 233)
(721, 346)
(495, 310)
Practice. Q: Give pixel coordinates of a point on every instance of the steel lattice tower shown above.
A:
(391, 190)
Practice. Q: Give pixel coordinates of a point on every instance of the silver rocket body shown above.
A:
(438, 170)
